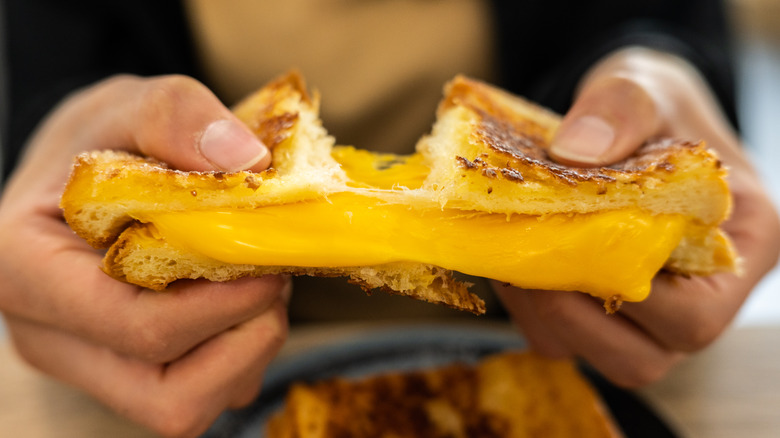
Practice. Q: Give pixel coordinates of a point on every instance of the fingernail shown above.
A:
(230, 146)
(585, 140)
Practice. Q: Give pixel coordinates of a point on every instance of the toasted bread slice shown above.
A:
(105, 187)
(505, 395)
(480, 196)
(488, 152)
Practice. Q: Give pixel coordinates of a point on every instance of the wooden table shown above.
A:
(730, 390)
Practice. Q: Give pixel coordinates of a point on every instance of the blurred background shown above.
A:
(757, 44)
(758, 55)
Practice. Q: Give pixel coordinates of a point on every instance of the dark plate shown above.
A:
(413, 348)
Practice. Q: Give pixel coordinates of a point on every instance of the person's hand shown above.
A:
(630, 97)
(171, 360)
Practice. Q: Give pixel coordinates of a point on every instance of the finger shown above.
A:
(170, 323)
(173, 118)
(610, 119)
(155, 326)
(74, 294)
(689, 313)
(179, 399)
(613, 345)
(175, 111)
(518, 302)
(686, 314)
(237, 358)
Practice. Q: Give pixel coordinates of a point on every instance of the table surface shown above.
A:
(730, 389)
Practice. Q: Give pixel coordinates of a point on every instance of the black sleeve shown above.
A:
(545, 46)
(53, 47)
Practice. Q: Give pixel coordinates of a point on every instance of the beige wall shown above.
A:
(757, 18)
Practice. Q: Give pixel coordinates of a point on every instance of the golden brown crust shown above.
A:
(515, 145)
(263, 115)
(488, 151)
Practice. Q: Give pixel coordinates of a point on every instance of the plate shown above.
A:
(409, 348)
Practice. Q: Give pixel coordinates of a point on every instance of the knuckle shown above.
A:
(275, 332)
(640, 94)
(700, 334)
(703, 323)
(149, 341)
(165, 97)
(26, 353)
(167, 91)
(625, 88)
(279, 331)
(118, 80)
(107, 86)
(170, 111)
(643, 373)
(176, 419)
(25, 344)
(160, 98)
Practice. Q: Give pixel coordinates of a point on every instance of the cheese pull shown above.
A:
(613, 253)
(479, 196)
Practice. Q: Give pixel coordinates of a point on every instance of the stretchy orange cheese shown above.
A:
(381, 171)
(607, 253)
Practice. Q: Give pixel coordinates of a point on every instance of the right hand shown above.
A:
(634, 95)
(171, 360)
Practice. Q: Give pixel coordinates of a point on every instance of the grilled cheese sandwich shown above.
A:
(480, 196)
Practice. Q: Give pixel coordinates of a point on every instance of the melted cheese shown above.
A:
(607, 254)
(381, 171)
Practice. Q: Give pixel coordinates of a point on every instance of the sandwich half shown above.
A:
(479, 196)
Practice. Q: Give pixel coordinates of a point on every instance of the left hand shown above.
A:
(629, 97)
(171, 361)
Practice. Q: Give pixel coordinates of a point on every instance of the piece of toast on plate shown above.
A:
(506, 395)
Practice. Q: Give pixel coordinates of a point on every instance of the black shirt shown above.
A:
(53, 47)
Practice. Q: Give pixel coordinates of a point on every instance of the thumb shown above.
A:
(609, 120)
(184, 124)
(175, 119)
